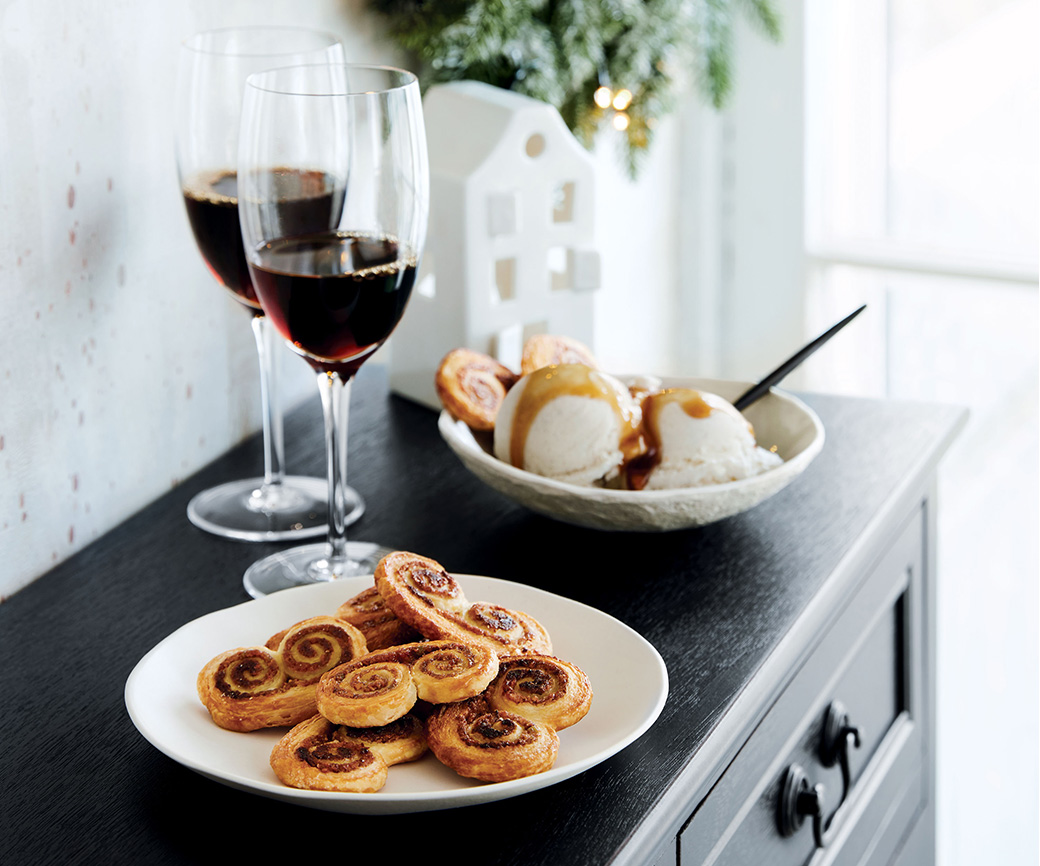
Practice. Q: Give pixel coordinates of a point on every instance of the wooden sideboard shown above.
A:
(824, 595)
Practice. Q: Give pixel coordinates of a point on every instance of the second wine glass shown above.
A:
(351, 136)
(213, 68)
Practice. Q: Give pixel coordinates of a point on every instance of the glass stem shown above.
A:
(267, 341)
(335, 401)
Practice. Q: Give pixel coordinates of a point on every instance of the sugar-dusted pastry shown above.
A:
(319, 755)
(541, 350)
(377, 622)
(480, 742)
(383, 685)
(249, 688)
(541, 688)
(420, 592)
(471, 386)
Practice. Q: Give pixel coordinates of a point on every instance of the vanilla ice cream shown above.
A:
(567, 422)
(694, 438)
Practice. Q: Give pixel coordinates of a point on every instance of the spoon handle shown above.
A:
(759, 390)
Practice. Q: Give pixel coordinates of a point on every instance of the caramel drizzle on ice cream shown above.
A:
(577, 380)
(694, 403)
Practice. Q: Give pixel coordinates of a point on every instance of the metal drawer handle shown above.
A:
(834, 746)
(800, 800)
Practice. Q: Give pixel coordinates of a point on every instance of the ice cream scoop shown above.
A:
(694, 438)
(568, 422)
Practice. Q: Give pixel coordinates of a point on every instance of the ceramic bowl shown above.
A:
(779, 419)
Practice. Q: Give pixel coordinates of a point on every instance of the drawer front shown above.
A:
(869, 662)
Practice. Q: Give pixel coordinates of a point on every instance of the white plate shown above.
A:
(628, 677)
(780, 420)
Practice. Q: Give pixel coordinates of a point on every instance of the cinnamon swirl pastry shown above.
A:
(249, 688)
(480, 742)
(319, 755)
(472, 385)
(383, 685)
(541, 350)
(541, 688)
(420, 592)
(369, 613)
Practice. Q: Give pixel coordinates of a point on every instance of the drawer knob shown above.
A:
(800, 800)
(834, 745)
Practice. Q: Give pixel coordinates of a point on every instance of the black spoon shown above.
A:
(762, 388)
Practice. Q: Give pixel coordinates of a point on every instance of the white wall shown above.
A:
(123, 368)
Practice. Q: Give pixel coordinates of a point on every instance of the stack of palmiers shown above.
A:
(474, 683)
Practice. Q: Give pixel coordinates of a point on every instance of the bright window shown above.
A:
(921, 175)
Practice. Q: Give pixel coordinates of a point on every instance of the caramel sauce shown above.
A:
(577, 380)
(637, 469)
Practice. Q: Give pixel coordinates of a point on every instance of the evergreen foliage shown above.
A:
(563, 51)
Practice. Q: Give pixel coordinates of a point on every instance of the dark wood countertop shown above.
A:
(81, 785)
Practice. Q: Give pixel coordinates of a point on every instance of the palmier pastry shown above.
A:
(321, 756)
(382, 686)
(420, 592)
(541, 350)
(472, 385)
(377, 622)
(249, 688)
(541, 688)
(480, 742)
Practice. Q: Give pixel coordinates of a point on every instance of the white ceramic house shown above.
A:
(509, 248)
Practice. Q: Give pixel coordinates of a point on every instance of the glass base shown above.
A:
(249, 511)
(307, 564)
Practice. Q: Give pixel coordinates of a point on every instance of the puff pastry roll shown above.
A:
(249, 688)
(471, 387)
(479, 742)
(381, 628)
(383, 685)
(541, 688)
(541, 350)
(319, 755)
(421, 593)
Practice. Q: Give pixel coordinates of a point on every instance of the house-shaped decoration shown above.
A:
(509, 247)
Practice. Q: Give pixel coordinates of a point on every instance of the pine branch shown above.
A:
(562, 51)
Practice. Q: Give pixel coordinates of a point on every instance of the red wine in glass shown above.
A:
(211, 198)
(335, 296)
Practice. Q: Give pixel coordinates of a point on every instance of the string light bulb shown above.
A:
(619, 101)
(622, 99)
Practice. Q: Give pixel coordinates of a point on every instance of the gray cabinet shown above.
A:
(863, 689)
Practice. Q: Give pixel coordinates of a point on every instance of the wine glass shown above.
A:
(346, 143)
(213, 67)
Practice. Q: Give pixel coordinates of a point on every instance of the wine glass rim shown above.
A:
(193, 42)
(408, 79)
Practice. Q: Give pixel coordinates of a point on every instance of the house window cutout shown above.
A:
(505, 279)
(427, 286)
(533, 328)
(559, 262)
(535, 145)
(563, 203)
(503, 213)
